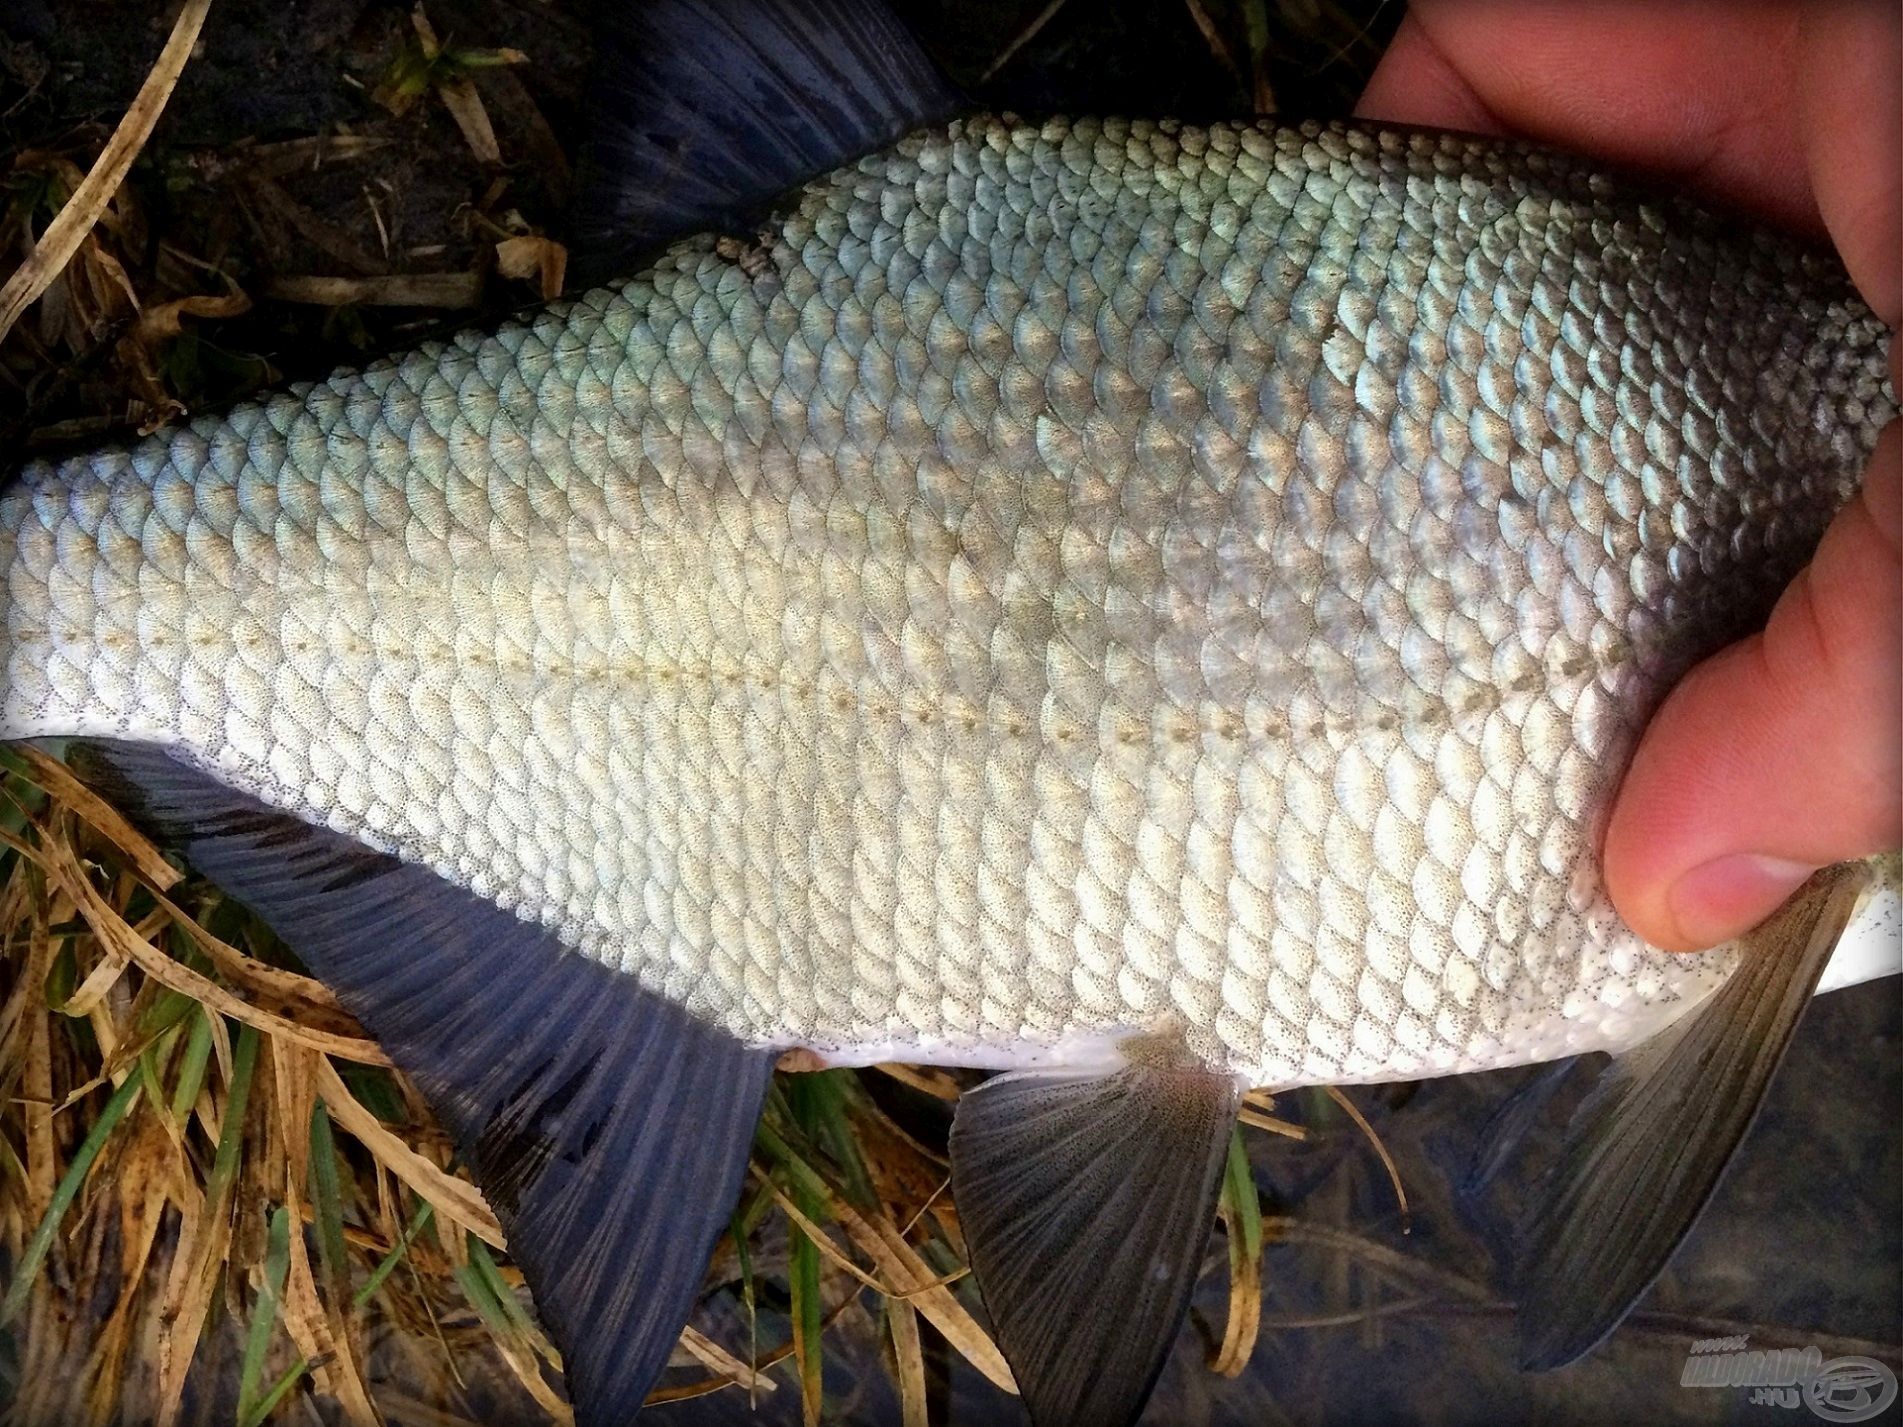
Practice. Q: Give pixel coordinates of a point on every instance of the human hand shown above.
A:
(1783, 752)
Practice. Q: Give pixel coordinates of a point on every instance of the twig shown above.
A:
(73, 222)
(1394, 1174)
(1381, 1260)
(397, 290)
(1021, 39)
(1251, 1116)
(1212, 36)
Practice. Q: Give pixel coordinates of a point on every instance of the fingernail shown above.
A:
(1729, 895)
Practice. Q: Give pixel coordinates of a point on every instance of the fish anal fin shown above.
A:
(607, 1126)
(1647, 1147)
(1087, 1202)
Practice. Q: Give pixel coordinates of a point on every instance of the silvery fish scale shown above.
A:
(1052, 583)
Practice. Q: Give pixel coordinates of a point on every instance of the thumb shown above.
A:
(1781, 753)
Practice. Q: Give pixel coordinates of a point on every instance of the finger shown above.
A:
(1416, 84)
(1849, 81)
(1669, 87)
(1783, 752)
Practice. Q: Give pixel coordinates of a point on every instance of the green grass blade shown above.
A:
(808, 1313)
(327, 1206)
(749, 1304)
(224, 1164)
(152, 1062)
(266, 1405)
(803, 1175)
(1239, 1198)
(818, 1112)
(822, 1108)
(264, 1313)
(168, 1009)
(387, 1264)
(480, 1289)
(191, 1067)
(484, 1264)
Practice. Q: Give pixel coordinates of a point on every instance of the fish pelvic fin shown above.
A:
(607, 1127)
(709, 110)
(1646, 1149)
(1086, 1203)
(1507, 1128)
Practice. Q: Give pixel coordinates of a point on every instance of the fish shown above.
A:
(1152, 609)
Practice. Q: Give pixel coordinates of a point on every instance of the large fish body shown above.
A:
(1054, 583)
(1157, 608)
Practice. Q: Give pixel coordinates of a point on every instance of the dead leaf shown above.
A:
(454, 1198)
(116, 935)
(542, 261)
(57, 780)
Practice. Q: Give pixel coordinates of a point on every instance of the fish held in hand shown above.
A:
(1158, 609)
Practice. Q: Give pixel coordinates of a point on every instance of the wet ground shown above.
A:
(1364, 1323)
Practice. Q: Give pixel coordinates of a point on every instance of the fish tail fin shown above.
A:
(1647, 1147)
(711, 109)
(608, 1128)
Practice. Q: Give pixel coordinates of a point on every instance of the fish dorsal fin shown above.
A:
(1647, 1147)
(608, 1128)
(708, 110)
(1086, 1202)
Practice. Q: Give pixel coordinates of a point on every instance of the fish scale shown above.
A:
(1050, 583)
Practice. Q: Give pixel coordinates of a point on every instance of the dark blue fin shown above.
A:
(709, 110)
(1647, 1147)
(1086, 1202)
(1510, 1123)
(608, 1128)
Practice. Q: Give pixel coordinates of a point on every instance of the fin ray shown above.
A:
(1512, 1120)
(1087, 1202)
(714, 108)
(1647, 1148)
